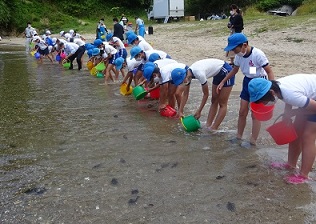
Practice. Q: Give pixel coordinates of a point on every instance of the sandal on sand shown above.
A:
(281, 166)
(296, 179)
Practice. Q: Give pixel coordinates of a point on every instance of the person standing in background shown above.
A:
(28, 33)
(101, 30)
(140, 26)
(118, 29)
(236, 25)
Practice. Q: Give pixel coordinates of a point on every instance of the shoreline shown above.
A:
(288, 50)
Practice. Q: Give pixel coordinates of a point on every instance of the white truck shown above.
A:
(166, 9)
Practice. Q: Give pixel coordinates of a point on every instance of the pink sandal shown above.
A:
(296, 179)
(281, 166)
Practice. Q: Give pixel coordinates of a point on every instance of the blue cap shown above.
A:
(109, 36)
(131, 37)
(129, 33)
(119, 63)
(135, 51)
(89, 52)
(149, 68)
(234, 40)
(97, 42)
(178, 75)
(153, 57)
(258, 87)
(89, 46)
(95, 51)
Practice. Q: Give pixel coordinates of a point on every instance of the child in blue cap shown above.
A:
(299, 91)
(253, 64)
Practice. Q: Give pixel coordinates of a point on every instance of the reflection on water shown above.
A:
(73, 151)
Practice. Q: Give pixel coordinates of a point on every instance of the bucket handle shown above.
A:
(290, 121)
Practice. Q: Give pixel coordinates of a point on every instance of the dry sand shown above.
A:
(289, 50)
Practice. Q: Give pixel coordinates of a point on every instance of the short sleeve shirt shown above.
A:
(252, 64)
(298, 89)
(166, 71)
(206, 68)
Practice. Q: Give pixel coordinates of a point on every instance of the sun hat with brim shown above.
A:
(154, 57)
(258, 87)
(131, 37)
(95, 51)
(109, 36)
(178, 75)
(119, 63)
(149, 68)
(135, 51)
(234, 40)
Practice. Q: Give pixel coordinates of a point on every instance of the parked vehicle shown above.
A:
(166, 9)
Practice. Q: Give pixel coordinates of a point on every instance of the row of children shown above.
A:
(156, 69)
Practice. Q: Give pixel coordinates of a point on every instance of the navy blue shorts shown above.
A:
(222, 74)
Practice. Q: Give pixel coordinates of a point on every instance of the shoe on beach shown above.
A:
(296, 179)
(281, 166)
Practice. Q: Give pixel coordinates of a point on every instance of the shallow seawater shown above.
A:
(74, 151)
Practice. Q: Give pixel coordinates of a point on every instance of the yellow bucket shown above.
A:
(124, 91)
(33, 53)
(93, 71)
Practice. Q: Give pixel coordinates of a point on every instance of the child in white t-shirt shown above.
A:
(253, 64)
(298, 91)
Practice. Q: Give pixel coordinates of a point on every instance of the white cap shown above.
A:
(34, 32)
(54, 39)
(36, 38)
(71, 31)
(48, 32)
(61, 33)
(67, 35)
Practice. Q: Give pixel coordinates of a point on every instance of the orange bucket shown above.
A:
(155, 94)
(282, 132)
(262, 112)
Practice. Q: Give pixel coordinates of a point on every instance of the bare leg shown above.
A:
(256, 126)
(243, 112)
(308, 148)
(222, 101)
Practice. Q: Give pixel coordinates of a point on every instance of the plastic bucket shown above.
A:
(262, 112)
(100, 66)
(282, 132)
(63, 55)
(168, 111)
(37, 55)
(123, 90)
(139, 92)
(99, 75)
(89, 65)
(33, 52)
(66, 65)
(93, 71)
(155, 94)
(58, 58)
(190, 123)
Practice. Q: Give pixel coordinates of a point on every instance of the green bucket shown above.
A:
(100, 75)
(190, 123)
(139, 92)
(66, 65)
(100, 66)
